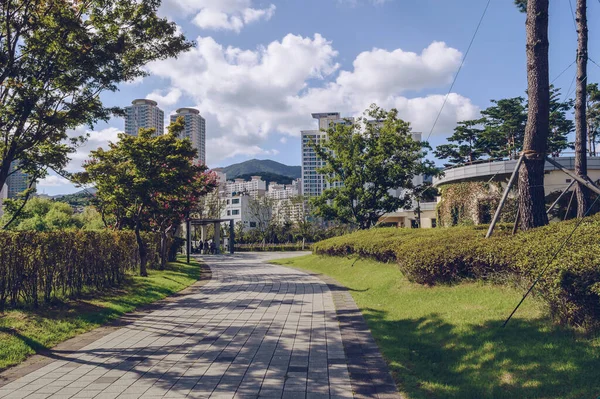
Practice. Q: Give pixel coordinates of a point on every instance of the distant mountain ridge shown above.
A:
(258, 166)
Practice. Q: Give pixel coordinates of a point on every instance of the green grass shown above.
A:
(448, 341)
(25, 332)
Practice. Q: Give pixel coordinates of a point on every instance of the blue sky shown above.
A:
(261, 67)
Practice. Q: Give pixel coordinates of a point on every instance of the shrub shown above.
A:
(570, 285)
(61, 264)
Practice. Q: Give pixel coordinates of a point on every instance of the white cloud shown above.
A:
(168, 99)
(246, 95)
(381, 71)
(230, 15)
(53, 181)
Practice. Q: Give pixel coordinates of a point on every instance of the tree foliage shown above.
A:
(365, 163)
(500, 132)
(593, 116)
(56, 57)
(147, 182)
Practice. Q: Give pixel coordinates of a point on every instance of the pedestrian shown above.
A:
(213, 248)
(205, 247)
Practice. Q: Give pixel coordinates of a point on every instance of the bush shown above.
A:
(570, 285)
(61, 264)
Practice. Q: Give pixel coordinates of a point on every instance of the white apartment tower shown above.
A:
(17, 181)
(313, 183)
(144, 113)
(195, 129)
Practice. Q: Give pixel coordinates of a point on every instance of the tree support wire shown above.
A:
(561, 196)
(505, 196)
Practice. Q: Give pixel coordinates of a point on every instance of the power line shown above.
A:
(573, 14)
(459, 68)
(565, 70)
(560, 248)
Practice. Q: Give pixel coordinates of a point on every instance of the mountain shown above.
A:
(255, 167)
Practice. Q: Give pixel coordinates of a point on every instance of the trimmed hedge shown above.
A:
(61, 264)
(271, 247)
(570, 285)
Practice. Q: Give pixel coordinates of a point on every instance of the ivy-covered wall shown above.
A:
(472, 203)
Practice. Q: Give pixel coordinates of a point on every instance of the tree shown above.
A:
(583, 193)
(504, 127)
(372, 158)
(560, 125)
(146, 181)
(593, 116)
(260, 210)
(41, 215)
(168, 209)
(531, 174)
(470, 146)
(521, 5)
(56, 57)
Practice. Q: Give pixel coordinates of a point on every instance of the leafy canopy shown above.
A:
(371, 158)
(500, 132)
(56, 57)
(147, 182)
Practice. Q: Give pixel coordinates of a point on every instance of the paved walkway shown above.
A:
(254, 330)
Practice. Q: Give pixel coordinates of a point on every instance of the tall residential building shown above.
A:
(313, 183)
(195, 129)
(144, 113)
(17, 181)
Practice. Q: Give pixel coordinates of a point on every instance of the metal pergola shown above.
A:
(204, 223)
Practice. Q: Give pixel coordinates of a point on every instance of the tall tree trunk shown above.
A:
(164, 239)
(531, 174)
(142, 250)
(583, 194)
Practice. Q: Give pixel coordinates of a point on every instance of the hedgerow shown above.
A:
(44, 266)
(570, 285)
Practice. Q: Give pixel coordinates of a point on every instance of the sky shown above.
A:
(259, 68)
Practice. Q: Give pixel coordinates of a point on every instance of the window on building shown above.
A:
(235, 201)
(252, 224)
(228, 213)
(227, 202)
(235, 212)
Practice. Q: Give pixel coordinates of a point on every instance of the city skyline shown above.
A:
(257, 81)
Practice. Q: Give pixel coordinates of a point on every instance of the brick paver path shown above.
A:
(254, 330)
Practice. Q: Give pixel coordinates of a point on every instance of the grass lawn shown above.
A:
(448, 342)
(24, 332)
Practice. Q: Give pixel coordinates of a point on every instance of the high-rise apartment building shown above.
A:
(144, 113)
(313, 183)
(195, 129)
(17, 181)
